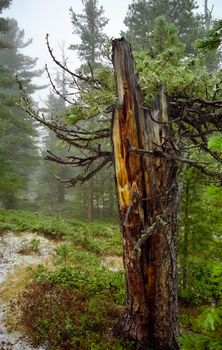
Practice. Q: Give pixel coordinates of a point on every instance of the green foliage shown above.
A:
(200, 245)
(212, 40)
(75, 304)
(212, 202)
(165, 65)
(165, 36)
(200, 269)
(210, 319)
(201, 284)
(210, 323)
(4, 24)
(217, 272)
(215, 143)
(142, 14)
(100, 238)
(94, 102)
(30, 246)
(17, 149)
(4, 4)
(187, 320)
(26, 221)
(180, 77)
(89, 26)
(64, 253)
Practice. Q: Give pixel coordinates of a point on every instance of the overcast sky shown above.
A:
(38, 17)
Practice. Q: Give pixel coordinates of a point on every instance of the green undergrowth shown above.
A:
(202, 284)
(202, 324)
(95, 237)
(75, 301)
(75, 305)
(203, 332)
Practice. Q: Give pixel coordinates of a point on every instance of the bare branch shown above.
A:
(83, 178)
(160, 154)
(76, 161)
(92, 82)
(54, 87)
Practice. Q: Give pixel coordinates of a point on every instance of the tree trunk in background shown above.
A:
(207, 15)
(61, 193)
(90, 200)
(147, 195)
(186, 234)
(9, 201)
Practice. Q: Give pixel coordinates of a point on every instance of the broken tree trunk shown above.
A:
(147, 195)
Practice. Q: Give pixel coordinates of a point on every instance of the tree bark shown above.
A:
(147, 196)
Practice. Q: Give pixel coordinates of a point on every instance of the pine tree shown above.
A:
(213, 38)
(89, 27)
(200, 213)
(3, 22)
(141, 17)
(9, 181)
(17, 131)
(152, 131)
(47, 183)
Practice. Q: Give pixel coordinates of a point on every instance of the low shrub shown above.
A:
(202, 285)
(95, 237)
(73, 307)
(205, 332)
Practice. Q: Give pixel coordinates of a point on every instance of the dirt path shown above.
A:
(113, 262)
(17, 252)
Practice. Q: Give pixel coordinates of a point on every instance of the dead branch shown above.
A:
(83, 178)
(57, 92)
(93, 82)
(160, 154)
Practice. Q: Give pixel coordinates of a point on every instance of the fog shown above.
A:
(39, 17)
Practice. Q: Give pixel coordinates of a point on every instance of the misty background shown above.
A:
(31, 181)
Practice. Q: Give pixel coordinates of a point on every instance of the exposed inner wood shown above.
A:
(146, 191)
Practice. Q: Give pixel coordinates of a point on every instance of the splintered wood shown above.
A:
(147, 195)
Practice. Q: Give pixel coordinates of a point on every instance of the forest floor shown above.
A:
(22, 252)
(62, 286)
